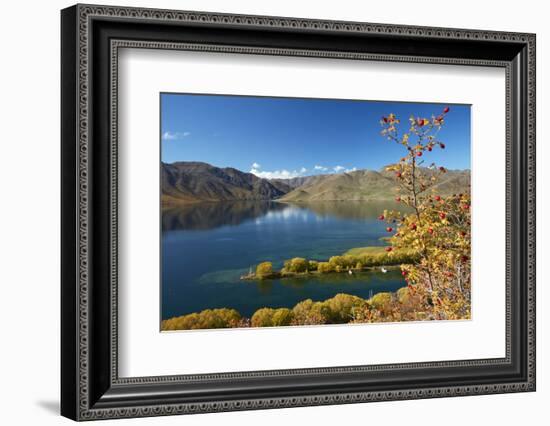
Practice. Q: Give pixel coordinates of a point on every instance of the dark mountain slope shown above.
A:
(194, 181)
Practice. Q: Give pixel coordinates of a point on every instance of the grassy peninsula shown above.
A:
(354, 260)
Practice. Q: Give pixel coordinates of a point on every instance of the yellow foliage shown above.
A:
(264, 269)
(324, 267)
(438, 229)
(297, 264)
(380, 300)
(209, 318)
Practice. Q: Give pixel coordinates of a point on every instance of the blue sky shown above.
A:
(287, 137)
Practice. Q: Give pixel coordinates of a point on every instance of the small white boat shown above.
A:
(384, 270)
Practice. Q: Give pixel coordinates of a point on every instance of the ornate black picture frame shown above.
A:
(91, 386)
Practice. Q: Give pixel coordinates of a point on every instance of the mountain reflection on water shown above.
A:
(205, 215)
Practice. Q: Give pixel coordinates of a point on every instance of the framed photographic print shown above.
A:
(321, 217)
(263, 212)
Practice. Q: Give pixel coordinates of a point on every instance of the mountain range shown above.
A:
(197, 181)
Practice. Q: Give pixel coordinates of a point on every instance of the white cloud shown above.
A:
(276, 174)
(174, 136)
(256, 169)
(342, 169)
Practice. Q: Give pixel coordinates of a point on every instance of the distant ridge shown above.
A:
(197, 181)
(370, 185)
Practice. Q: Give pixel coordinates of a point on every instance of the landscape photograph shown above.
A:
(283, 212)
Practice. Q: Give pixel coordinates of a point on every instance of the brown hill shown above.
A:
(194, 181)
(369, 185)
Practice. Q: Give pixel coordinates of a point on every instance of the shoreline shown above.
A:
(354, 260)
(281, 275)
(402, 305)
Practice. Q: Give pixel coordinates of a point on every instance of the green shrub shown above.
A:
(209, 318)
(336, 310)
(269, 317)
(380, 300)
(349, 261)
(262, 317)
(325, 267)
(264, 269)
(340, 308)
(403, 295)
(286, 266)
(313, 265)
(336, 261)
(308, 312)
(281, 317)
(296, 265)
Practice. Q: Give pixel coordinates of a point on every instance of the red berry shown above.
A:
(446, 110)
(389, 229)
(463, 234)
(464, 259)
(431, 230)
(413, 226)
(397, 199)
(430, 148)
(437, 198)
(465, 206)
(442, 145)
(419, 154)
(398, 174)
(442, 215)
(381, 217)
(385, 119)
(404, 273)
(388, 249)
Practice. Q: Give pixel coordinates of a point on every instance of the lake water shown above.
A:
(206, 247)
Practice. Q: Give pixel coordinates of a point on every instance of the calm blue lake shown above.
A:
(206, 247)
